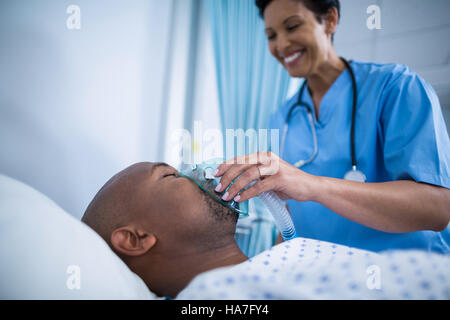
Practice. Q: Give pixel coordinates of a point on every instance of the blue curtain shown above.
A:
(251, 85)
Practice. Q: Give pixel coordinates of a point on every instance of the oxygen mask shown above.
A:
(203, 175)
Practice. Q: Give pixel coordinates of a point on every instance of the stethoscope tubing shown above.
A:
(300, 103)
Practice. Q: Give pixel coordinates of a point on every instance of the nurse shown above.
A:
(398, 141)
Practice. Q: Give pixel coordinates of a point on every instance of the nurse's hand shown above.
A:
(287, 181)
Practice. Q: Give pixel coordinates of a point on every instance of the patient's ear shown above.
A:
(132, 242)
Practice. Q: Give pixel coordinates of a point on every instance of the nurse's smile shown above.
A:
(292, 59)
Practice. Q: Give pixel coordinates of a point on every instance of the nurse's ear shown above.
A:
(331, 20)
(130, 241)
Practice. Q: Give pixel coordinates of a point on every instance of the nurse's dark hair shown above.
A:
(319, 7)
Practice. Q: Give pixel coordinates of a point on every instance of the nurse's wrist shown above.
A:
(321, 189)
(312, 188)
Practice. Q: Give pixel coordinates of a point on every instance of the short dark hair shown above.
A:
(319, 7)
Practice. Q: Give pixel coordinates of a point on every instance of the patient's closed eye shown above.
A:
(170, 174)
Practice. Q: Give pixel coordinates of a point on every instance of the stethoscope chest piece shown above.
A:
(355, 175)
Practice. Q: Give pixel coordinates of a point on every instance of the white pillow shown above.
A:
(45, 253)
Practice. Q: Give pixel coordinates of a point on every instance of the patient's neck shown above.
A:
(169, 274)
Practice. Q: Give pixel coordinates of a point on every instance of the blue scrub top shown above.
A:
(400, 134)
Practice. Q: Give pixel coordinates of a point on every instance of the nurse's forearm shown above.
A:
(397, 207)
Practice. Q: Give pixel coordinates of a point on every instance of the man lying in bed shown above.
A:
(165, 228)
(168, 231)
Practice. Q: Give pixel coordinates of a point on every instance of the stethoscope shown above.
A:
(354, 174)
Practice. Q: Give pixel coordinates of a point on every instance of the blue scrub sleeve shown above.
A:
(415, 140)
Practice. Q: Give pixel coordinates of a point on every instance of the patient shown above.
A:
(165, 228)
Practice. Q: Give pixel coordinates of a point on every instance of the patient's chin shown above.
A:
(220, 212)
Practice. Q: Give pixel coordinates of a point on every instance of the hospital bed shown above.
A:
(45, 253)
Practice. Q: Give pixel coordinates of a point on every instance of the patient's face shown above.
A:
(173, 207)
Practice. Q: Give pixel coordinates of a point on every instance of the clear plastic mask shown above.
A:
(202, 175)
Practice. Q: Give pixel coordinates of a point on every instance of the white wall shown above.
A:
(77, 106)
(413, 32)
